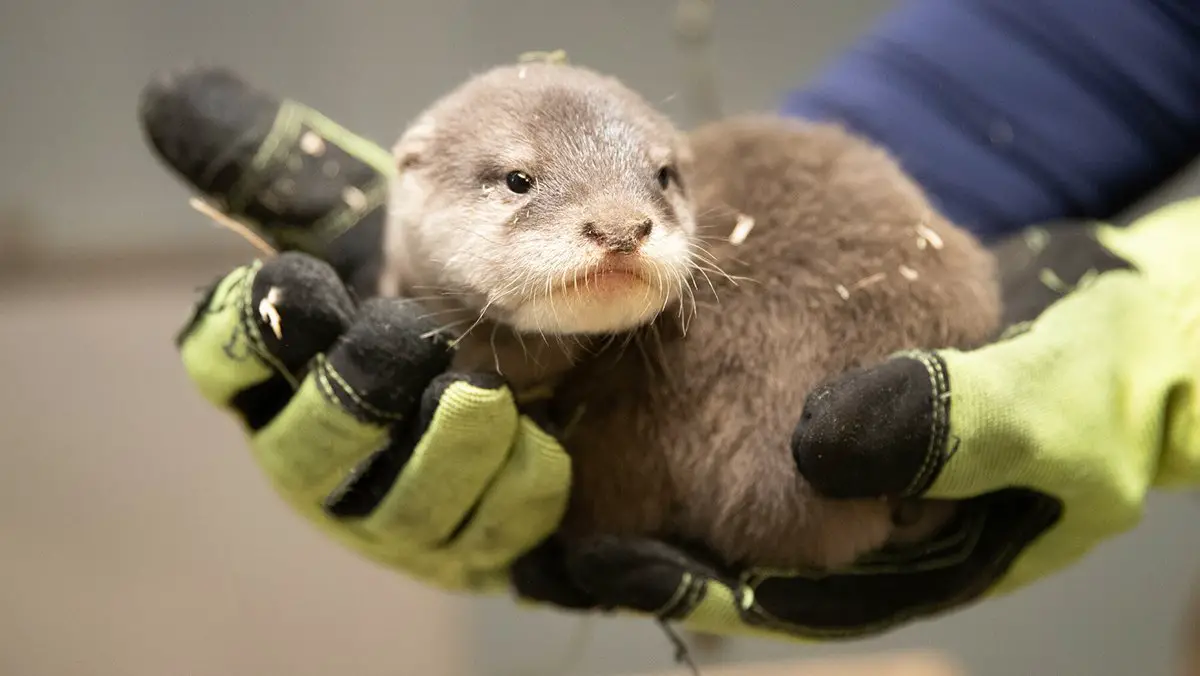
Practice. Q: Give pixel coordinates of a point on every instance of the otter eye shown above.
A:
(518, 182)
(665, 176)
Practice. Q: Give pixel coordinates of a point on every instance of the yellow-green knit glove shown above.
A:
(350, 416)
(345, 402)
(1054, 434)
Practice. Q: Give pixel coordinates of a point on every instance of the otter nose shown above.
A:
(621, 236)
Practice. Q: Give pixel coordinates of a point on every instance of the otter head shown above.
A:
(546, 197)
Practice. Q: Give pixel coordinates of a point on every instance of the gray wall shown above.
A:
(78, 172)
(70, 71)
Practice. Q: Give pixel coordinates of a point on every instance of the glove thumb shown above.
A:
(296, 178)
(874, 431)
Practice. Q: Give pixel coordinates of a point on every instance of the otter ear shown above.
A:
(412, 148)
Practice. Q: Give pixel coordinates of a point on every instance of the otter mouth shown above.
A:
(608, 296)
(606, 279)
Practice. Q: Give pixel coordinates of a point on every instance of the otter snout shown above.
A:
(619, 235)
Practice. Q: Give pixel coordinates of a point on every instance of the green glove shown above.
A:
(1052, 436)
(345, 401)
(1055, 433)
(350, 416)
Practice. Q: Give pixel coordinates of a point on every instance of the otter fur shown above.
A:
(576, 242)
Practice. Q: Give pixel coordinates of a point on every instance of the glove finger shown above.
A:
(875, 431)
(523, 504)
(252, 335)
(346, 408)
(541, 575)
(639, 574)
(421, 490)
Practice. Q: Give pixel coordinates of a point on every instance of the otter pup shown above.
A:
(575, 240)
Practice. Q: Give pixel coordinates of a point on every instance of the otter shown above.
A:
(679, 294)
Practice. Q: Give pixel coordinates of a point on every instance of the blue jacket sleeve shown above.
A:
(1010, 113)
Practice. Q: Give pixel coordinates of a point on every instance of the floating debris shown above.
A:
(269, 313)
(354, 198)
(745, 223)
(312, 144)
(927, 236)
(230, 223)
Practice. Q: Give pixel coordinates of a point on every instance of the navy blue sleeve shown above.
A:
(1013, 112)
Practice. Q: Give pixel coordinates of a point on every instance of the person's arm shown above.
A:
(1014, 113)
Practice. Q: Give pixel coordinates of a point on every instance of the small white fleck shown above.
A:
(354, 197)
(312, 144)
(908, 273)
(521, 74)
(268, 312)
(1036, 239)
(927, 234)
(745, 223)
(843, 292)
(868, 281)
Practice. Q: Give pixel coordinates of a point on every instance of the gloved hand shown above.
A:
(1051, 436)
(1056, 432)
(344, 397)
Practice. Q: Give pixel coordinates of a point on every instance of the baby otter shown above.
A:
(574, 239)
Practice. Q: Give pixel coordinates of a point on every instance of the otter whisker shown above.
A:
(714, 268)
(495, 352)
(441, 293)
(432, 332)
(479, 319)
(712, 286)
(700, 253)
(440, 313)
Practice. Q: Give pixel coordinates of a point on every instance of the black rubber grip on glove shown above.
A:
(381, 364)
(872, 432)
(318, 311)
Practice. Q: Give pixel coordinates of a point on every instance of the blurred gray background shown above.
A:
(136, 537)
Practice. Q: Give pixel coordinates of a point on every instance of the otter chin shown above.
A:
(611, 296)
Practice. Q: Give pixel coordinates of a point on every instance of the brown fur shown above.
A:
(704, 435)
(685, 433)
